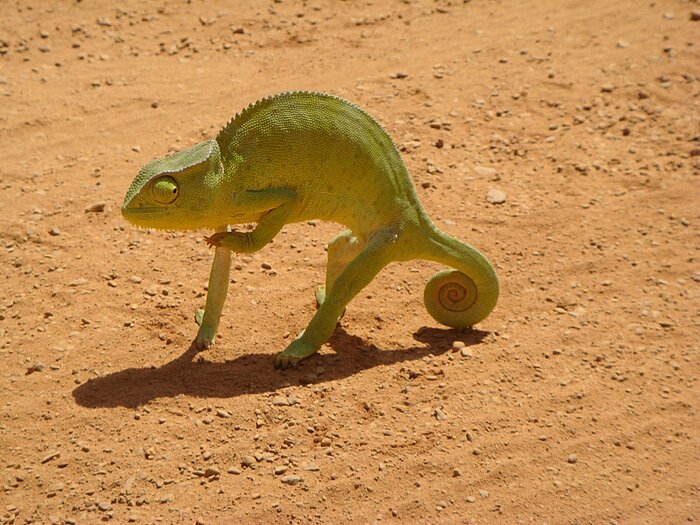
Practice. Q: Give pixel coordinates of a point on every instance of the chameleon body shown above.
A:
(298, 156)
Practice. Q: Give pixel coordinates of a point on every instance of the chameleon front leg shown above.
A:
(275, 205)
(357, 274)
(208, 319)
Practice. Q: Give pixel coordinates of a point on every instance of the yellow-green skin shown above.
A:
(298, 156)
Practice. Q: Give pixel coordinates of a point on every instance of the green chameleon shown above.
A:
(298, 156)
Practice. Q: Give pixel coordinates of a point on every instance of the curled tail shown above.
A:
(462, 297)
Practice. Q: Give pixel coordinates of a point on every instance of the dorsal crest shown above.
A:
(226, 137)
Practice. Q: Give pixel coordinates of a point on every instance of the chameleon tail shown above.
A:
(462, 297)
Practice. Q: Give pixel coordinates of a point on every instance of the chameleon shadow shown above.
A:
(191, 374)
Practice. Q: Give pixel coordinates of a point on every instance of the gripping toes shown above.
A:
(213, 240)
(295, 352)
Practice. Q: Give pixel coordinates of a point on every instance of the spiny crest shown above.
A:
(224, 137)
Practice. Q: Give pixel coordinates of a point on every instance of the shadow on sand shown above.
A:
(192, 375)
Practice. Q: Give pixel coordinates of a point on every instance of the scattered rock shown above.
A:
(484, 171)
(458, 345)
(572, 459)
(97, 207)
(51, 455)
(495, 196)
(280, 401)
(291, 479)
(310, 467)
(607, 88)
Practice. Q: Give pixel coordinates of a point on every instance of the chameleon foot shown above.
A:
(205, 336)
(294, 353)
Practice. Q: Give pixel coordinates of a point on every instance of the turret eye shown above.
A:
(165, 190)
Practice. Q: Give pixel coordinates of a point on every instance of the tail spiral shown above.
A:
(464, 296)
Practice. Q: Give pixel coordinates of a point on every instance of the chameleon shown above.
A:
(300, 156)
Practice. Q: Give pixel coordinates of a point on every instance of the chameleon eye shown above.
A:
(165, 190)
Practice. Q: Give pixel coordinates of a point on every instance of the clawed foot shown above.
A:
(205, 336)
(204, 339)
(294, 353)
(214, 240)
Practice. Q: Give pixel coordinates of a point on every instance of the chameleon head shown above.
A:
(176, 192)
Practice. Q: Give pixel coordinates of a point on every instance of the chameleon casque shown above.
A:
(298, 156)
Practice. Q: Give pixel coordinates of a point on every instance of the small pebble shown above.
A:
(291, 480)
(458, 345)
(96, 207)
(280, 401)
(572, 459)
(484, 171)
(50, 456)
(495, 196)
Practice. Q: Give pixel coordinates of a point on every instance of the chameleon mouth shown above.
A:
(142, 217)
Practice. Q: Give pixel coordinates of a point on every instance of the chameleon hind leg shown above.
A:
(354, 277)
(342, 249)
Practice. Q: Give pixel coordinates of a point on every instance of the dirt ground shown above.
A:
(575, 402)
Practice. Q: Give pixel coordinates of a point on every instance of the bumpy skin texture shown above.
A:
(298, 156)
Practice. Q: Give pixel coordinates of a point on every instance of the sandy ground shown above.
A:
(575, 402)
